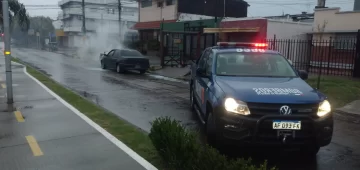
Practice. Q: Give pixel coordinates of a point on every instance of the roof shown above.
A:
(226, 50)
(150, 24)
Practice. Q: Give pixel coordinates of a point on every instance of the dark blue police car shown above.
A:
(249, 95)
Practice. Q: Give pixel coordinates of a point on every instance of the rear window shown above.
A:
(253, 64)
(130, 53)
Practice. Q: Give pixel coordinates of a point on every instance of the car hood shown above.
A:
(269, 89)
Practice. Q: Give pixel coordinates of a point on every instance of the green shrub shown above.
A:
(181, 150)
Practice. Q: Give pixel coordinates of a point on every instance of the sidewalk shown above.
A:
(45, 133)
(174, 72)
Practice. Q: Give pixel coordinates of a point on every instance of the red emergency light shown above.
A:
(242, 44)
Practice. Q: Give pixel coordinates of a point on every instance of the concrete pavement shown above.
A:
(45, 134)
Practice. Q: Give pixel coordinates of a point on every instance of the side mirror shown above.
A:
(303, 74)
(200, 72)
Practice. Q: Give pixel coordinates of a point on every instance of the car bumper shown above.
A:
(134, 67)
(238, 129)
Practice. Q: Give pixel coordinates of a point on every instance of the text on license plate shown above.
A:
(286, 124)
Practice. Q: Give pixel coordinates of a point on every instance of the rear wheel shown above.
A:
(142, 71)
(119, 69)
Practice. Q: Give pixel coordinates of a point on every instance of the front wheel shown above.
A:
(103, 65)
(311, 151)
(192, 102)
(210, 129)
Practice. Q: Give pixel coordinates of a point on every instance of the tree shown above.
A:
(40, 24)
(321, 29)
(18, 10)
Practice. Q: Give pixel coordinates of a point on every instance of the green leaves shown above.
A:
(181, 150)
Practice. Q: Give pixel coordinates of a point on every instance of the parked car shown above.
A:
(248, 95)
(123, 60)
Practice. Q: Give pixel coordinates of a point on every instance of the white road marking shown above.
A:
(109, 136)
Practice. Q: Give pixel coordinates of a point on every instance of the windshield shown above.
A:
(130, 53)
(253, 64)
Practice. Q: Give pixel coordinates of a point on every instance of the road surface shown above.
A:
(140, 99)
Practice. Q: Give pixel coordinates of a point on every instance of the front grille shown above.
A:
(262, 109)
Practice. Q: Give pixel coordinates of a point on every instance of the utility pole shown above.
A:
(7, 53)
(120, 25)
(224, 9)
(83, 17)
(216, 20)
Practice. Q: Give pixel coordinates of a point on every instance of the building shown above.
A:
(336, 32)
(59, 32)
(101, 16)
(153, 12)
(303, 17)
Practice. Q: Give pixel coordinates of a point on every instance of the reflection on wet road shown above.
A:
(140, 99)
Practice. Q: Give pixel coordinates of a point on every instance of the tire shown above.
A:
(192, 101)
(210, 129)
(118, 69)
(142, 71)
(103, 66)
(311, 151)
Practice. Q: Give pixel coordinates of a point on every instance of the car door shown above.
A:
(200, 84)
(108, 59)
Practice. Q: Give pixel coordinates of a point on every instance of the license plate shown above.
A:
(137, 66)
(287, 124)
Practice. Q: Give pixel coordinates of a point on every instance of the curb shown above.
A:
(347, 113)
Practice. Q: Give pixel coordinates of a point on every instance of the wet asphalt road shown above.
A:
(140, 99)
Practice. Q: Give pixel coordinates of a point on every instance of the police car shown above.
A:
(249, 95)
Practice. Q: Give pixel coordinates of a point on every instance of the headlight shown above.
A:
(231, 105)
(324, 108)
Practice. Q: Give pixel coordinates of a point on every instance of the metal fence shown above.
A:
(327, 57)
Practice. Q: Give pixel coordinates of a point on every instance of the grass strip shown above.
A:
(130, 135)
(339, 90)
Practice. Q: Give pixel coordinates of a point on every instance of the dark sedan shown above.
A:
(123, 60)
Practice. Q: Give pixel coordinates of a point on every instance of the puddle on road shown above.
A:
(167, 78)
(92, 97)
(95, 69)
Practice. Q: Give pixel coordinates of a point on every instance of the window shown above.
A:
(93, 10)
(146, 3)
(202, 60)
(110, 11)
(130, 53)
(160, 4)
(253, 64)
(170, 2)
(111, 53)
(345, 41)
(209, 63)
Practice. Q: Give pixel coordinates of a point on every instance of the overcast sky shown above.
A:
(257, 7)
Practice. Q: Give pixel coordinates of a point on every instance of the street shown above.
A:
(139, 99)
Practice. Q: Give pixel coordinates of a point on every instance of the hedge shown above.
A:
(181, 149)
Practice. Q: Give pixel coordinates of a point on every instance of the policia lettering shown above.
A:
(277, 91)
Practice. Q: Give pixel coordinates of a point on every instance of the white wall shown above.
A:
(287, 30)
(155, 13)
(57, 24)
(191, 17)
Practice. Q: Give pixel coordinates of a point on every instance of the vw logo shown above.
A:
(285, 110)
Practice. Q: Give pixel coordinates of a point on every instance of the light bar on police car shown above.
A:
(242, 44)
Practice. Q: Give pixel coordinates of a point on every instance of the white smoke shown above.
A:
(103, 40)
